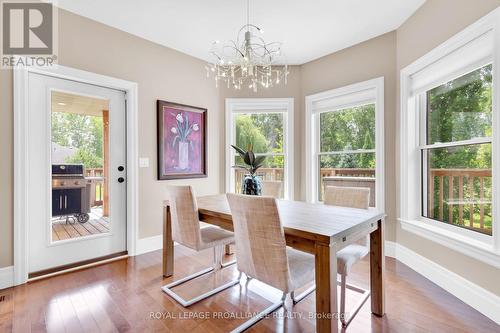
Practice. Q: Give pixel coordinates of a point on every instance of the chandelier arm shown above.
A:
(248, 60)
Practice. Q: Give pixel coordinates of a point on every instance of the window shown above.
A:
(456, 152)
(345, 140)
(449, 142)
(347, 147)
(265, 124)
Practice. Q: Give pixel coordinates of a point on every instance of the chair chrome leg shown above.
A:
(303, 295)
(342, 299)
(249, 278)
(359, 304)
(216, 266)
(254, 320)
(229, 263)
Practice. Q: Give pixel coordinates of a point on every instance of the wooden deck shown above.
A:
(96, 225)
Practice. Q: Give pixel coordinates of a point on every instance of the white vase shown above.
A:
(183, 155)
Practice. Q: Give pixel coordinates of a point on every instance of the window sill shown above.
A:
(469, 246)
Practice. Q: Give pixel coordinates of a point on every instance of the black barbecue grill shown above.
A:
(70, 192)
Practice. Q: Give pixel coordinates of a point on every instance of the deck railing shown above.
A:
(96, 175)
(461, 196)
(456, 193)
(272, 174)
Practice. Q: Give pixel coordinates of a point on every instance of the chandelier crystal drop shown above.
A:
(247, 61)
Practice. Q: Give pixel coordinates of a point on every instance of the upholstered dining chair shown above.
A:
(262, 254)
(354, 197)
(272, 188)
(186, 231)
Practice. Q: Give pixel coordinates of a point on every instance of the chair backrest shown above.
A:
(260, 239)
(184, 215)
(272, 188)
(354, 197)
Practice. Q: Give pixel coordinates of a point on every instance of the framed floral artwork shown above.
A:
(182, 146)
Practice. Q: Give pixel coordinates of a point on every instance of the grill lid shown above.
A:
(67, 170)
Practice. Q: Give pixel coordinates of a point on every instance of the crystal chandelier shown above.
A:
(247, 61)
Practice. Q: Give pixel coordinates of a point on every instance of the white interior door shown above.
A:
(55, 241)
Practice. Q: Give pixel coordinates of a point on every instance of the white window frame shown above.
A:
(367, 92)
(262, 105)
(482, 247)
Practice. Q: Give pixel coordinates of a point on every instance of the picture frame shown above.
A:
(181, 141)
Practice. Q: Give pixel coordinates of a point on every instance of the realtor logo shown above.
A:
(28, 33)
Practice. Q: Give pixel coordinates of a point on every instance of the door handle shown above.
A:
(60, 202)
(65, 201)
(121, 180)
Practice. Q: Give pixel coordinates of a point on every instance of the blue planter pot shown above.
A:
(251, 185)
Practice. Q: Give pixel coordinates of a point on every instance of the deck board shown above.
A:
(73, 229)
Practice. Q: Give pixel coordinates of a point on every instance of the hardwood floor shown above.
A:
(125, 296)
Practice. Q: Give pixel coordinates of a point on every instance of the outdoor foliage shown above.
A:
(348, 129)
(264, 131)
(83, 132)
(458, 110)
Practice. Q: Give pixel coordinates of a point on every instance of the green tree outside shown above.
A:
(83, 132)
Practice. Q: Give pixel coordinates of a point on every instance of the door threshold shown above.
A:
(46, 273)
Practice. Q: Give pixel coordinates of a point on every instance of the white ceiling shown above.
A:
(84, 105)
(309, 29)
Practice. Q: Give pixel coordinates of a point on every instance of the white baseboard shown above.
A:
(6, 277)
(390, 249)
(475, 296)
(149, 244)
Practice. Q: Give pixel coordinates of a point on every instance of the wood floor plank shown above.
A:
(61, 231)
(90, 228)
(125, 296)
(71, 230)
(81, 229)
(104, 225)
(55, 237)
(98, 226)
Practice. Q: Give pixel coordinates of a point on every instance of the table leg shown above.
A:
(326, 289)
(377, 270)
(168, 244)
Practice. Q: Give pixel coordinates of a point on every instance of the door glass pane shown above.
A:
(348, 129)
(459, 187)
(271, 174)
(461, 109)
(79, 155)
(263, 130)
(348, 170)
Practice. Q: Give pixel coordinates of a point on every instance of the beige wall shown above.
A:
(161, 73)
(431, 25)
(6, 168)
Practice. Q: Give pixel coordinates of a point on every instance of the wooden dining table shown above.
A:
(318, 229)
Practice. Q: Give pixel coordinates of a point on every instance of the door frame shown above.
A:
(21, 158)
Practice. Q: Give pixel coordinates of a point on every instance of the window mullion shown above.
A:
(345, 152)
(474, 141)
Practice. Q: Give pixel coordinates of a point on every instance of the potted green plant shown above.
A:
(251, 184)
